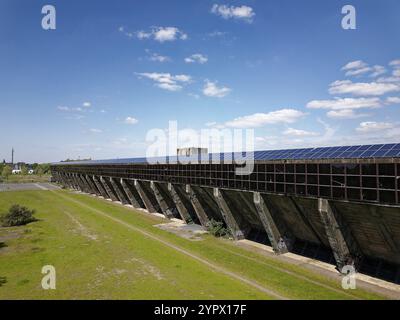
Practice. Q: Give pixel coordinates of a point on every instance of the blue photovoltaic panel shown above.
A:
(339, 152)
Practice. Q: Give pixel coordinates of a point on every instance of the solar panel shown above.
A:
(338, 152)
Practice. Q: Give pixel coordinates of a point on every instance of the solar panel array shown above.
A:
(341, 152)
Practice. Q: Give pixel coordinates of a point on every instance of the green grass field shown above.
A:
(102, 250)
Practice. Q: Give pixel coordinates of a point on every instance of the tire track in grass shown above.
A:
(179, 249)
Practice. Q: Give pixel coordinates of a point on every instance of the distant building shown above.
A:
(187, 152)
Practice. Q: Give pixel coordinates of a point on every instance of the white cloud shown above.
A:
(372, 126)
(358, 64)
(358, 67)
(395, 63)
(143, 34)
(212, 90)
(95, 130)
(344, 114)
(241, 13)
(217, 33)
(362, 88)
(168, 34)
(86, 104)
(377, 71)
(392, 100)
(158, 57)
(167, 81)
(130, 120)
(299, 133)
(196, 58)
(63, 108)
(357, 72)
(396, 73)
(388, 80)
(160, 34)
(345, 103)
(260, 119)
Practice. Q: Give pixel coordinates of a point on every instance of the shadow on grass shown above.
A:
(3, 280)
(2, 245)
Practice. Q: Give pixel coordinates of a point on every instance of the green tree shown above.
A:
(43, 168)
(6, 172)
(24, 170)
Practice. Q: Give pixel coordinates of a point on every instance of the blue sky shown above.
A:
(113, 70)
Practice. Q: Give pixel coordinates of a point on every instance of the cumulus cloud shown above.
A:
(345, 103)
(372, 126)
(377, 71)
(212, 90)
(395, 63)
(86, 104)
(196, 58)
(160, 34)
(389, 80)
(299, 133)
(261, 119)
(157, 57)
(345, 114)
(392, 100)
(244, 13)
(358, 64)
(130, 120)
(362, 88)
(167, 81)
(359, 67)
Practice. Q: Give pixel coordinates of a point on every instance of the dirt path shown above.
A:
(183, 251)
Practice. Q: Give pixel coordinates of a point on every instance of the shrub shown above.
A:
(217, 229)
(17, 216)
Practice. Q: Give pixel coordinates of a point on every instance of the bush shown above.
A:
(17, 216)
(217, 229)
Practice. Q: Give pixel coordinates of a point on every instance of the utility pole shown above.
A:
(12, 156)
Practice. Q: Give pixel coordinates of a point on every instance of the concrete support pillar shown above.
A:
(132, 199)
(344, 246)
(232, 222)
(107, 187)
(75, 181)
(68, 181)
(279, 236)
(198, 207)
(100, 187)
(92, 185)
(118, 191)
(183, 211)
(87, 185)
(72, 181)
(147, 203)
(162, 202)
(80, 183)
